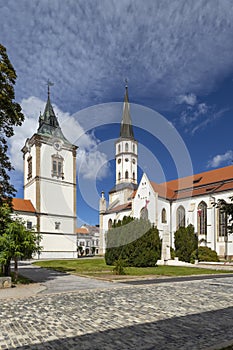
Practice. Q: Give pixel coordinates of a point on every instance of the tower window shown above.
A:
(119, 176)
(133, 148)
(126, 174)
(57, 166)
(133, 176)
(119, 148)
(57, 225)
(126, 147)
(119, 161)
(126, 159)
(29, 167)
(134, 161)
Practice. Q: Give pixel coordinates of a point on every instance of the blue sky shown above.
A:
(177, 57)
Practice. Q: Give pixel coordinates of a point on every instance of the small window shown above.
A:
(133, 176)
(119, 148)
(57, 166)
(57, 225)
(126, 159)
(29, 167)
(119, 161)
(133, 148)
(29, 225)
(119, 176)
(126, 147)
(134, 161)
(126, 174)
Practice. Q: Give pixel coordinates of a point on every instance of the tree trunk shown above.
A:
(16, 272)
(7, 268)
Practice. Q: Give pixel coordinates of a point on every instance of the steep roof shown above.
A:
(25, 205)
(208, 182)
(126, 122)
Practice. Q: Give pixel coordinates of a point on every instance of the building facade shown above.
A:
(50, 185)
(170, 205)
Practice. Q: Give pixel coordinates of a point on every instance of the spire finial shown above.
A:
(126, 83)
(49, 83)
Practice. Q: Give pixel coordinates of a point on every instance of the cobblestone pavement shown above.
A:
(179, 315)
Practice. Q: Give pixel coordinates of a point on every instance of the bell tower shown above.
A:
(126, 148)
(50, 184)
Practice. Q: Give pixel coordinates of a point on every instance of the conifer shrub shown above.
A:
(185, 242)
(135, 242)
(204, 254)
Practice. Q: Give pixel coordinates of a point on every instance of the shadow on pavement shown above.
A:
(200, 331)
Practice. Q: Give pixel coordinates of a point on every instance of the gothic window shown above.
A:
(126, 147)
(164, 216)
(133, 176)
(144, 213)
(180, 217)
(126, 174)
(109, 224)
(222, 219)
(119, 148)
(119, 176)
(29, 167)
(202, 218)
(57, 166)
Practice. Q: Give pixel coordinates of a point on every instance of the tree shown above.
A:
(227, 208)
(133, 242)
(10, 116)
(185, 242)
(17, 242)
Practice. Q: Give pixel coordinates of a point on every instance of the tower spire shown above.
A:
(126, 122)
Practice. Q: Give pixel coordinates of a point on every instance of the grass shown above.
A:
(97, 267)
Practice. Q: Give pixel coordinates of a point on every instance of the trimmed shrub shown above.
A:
(136, 243)
(185, 242)
(204, 254)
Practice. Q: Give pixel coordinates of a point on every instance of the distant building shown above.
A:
(169, 205)
(88, 240)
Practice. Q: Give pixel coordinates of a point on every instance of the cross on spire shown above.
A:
(49, 83)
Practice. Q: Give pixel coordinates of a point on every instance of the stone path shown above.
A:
(173, 315)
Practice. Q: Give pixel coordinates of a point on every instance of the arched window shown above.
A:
(222, 224)
(144, 213)
(133, 148)
(180, 217)
(119, 148)
(133, 175)
(202, 218)
(109, 224)
(119, 176)
(164, 216)
(126, 147)
(126, 174)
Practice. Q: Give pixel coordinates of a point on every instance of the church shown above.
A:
(49, 204)
(169, 205)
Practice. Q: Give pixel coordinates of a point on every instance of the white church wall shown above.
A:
(58, 246)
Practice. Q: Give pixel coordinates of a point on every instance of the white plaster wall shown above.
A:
(47, 224)
(26, 217)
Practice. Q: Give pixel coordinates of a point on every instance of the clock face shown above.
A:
(57, 145)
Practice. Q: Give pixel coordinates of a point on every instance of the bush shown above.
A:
(119, 267)
(132, 245)
(204, 254)
(185, 242)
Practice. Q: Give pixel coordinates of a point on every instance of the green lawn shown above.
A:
(97, 267)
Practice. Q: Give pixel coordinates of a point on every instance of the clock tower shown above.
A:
(50, 184)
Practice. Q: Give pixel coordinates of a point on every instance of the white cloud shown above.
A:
(220, 158)
(189, 99)
(88, 155)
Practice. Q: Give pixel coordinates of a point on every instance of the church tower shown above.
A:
(126, 148)
(50, 184)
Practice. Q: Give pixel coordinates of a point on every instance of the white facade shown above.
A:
(50, 184)
(169, 205)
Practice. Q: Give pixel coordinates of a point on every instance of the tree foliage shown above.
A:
(227, 208)
(10, 116)
(204, 254)
(185, 242)
(134, 242)
(17, 242)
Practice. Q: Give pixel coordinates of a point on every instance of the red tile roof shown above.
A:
(82, 230)
(20, 204)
